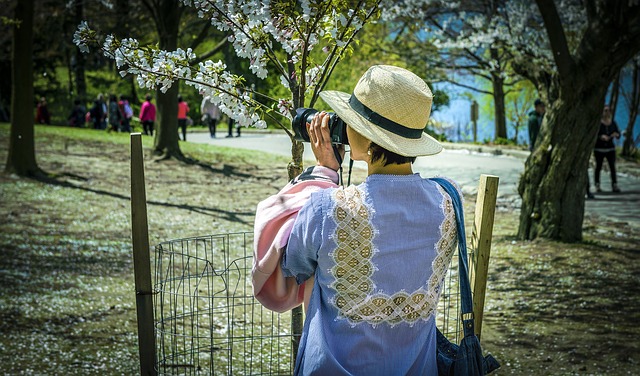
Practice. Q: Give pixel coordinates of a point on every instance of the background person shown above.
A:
(375, 254)
(183, 110)
(115, 116)
(535, 121)
(210, 115)
(42, 112)
(127, 114)
(147, 115)
(77, 116)
(98, 113)
(605, 148)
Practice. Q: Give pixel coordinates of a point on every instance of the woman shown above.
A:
(372, 257)
(605, 148)
(148, 115)
(183, 109)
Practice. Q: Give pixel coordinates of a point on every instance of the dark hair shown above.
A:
(538, 102)
(387, 157)
(113, 98)
(148, 97)
(76, 102)
(179, 98)
(122, 97)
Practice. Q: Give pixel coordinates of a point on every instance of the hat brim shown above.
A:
(407, 147)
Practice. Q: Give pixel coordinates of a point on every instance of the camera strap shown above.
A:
(336, 152)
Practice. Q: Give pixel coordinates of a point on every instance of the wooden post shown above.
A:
(297, 324)
(141, 260)
(481, 243)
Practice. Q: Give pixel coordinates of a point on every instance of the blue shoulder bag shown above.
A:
(466, 358)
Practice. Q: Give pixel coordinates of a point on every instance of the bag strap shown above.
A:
(463, 273)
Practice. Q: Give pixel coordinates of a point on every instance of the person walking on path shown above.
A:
(77, 116)
(98, 113)
(535, 120)
(605, 148)
(147, 115)
(115, 116)
(183, 110)
(127, 114)
(42, 112)
(210, 115)
(369, 260)
(232, 124)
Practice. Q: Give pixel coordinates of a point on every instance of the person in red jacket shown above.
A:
(148, 115)
(183, 110)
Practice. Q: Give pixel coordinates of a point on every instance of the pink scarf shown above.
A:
(275, 217)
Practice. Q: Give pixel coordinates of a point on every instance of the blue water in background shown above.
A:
(458, 114)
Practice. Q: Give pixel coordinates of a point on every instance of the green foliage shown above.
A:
(503, 141)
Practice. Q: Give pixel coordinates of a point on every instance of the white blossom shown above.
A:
(256, 31)
(82, 36)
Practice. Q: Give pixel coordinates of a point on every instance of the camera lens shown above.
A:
(299, 123)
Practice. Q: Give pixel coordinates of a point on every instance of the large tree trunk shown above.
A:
(167, 19)
(633, 102)
(615, 93)
(555, 179)
(81, 83)
(22, 158)
(499, 106)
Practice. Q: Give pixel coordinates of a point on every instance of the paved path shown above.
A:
(465, 164)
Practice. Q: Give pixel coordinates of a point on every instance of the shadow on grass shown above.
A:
(238, 217)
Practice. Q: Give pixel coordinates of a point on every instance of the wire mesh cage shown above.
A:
(207, 321)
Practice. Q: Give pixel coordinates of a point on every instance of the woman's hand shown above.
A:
(320, 138)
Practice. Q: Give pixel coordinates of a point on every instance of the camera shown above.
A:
(337, 127)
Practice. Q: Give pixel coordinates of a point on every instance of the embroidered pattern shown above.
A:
(354, 269)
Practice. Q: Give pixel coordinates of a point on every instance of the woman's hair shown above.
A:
(387, 157)
(179, 98)
(148, 97)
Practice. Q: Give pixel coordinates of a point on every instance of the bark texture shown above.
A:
(633, 102)
(166, 15)
(21, 159)
(499, 106)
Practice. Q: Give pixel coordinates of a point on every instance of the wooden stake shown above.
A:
(481, 243)
(141, 260)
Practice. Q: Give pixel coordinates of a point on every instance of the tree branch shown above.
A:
(201, 36)
(557, 38)
(468, 87)
(212, 52)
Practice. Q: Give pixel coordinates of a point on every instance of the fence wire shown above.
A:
(207, 321)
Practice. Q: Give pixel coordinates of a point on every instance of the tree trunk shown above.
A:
(167, 21)
(555, 179)
(633, 101)
(497, 81)
(81, 83)
(615, 92)
(22, 158)
(499, 107)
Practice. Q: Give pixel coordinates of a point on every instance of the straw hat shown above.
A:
(389, 106)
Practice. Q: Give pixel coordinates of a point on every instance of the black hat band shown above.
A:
(382, 121)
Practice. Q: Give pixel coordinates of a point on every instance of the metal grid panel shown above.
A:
(207, 321)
